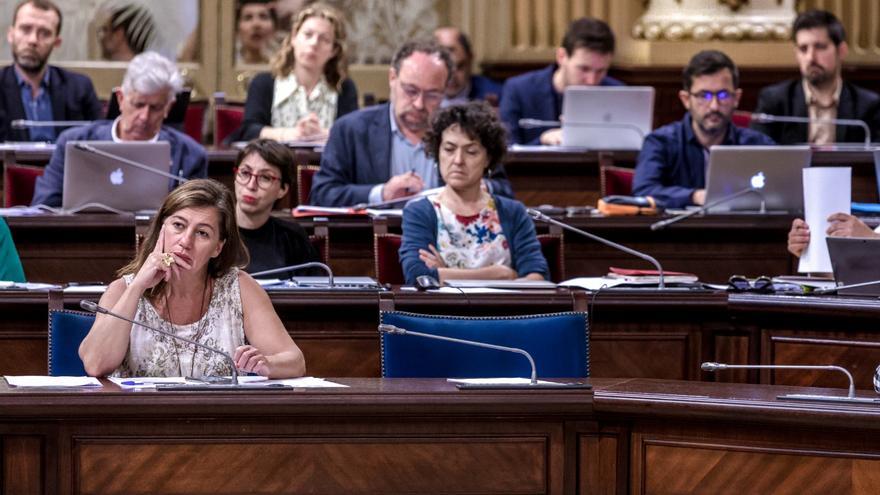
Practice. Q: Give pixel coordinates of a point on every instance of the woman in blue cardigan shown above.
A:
(463, 232)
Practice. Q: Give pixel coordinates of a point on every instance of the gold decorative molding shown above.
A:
(703, 20)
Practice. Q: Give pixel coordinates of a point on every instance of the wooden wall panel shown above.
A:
(858, 352)
(23, 465)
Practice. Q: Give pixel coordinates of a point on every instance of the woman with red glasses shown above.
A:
(262, 177)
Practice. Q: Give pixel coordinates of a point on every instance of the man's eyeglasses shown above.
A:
(739, 283)
(428, 96)
(706, 96)
(243, 176)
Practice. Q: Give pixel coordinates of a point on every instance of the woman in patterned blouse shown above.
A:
(307, 89)
(464, 232)
(186, 280)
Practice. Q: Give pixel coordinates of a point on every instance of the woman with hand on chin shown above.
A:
(307, 89)
(186, 280)
(463, 232)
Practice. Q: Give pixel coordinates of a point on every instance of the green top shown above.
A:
(10, 265)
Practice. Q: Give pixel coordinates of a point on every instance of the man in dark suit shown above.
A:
(582, 60)
(33, 90)
(464, 86)
(376, 154)
(820, 92)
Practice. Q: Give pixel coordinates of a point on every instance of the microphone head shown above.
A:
(18, 124)
(709, 366)
(89, 306)
(391, 329)
(535, 214)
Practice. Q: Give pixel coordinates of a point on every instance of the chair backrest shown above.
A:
(741, 119)
(194, 119)
(227, 119)
(616, 180)
(304, 175)
(18, 184)
(66, 330)
(386, 258)
(558, 342)
(553, 249)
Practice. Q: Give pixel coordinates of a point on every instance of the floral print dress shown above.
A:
(475, 241)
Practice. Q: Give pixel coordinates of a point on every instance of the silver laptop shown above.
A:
(92, 178)
(607, 117)
(776, 170)
(854, 261)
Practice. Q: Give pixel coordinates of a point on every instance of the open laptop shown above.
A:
(607, 117)
(854, 261)
(776, 170)
(92, 178)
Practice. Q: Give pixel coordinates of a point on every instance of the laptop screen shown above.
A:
(607, 117)
(93, 178)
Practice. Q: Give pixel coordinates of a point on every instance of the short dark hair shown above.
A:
(465, 43)
(274, 153)
(478, 120)
(708, 62)
(42, 5)
(812, 19)
(268, 3)
(589, 33)
(427, 46)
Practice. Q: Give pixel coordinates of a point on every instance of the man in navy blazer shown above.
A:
(33, 90)
(376, 154)
(582, 60)
(464, 86)
(820, 92)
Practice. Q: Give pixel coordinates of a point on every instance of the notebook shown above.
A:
(607, 117)
(92, 178)
(777, 171)
(854, 260)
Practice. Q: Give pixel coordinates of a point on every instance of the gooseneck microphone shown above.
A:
(851, 393)
(383, 204)
(394, 330)
(537, 123)
(753, 190)
(310, 264)
(765, 118)
(25, 124)
(832, 290)
(537, 215)
(91, 149)
(95, 308)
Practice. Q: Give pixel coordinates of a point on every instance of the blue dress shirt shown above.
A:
(406, 157)
(672, 163)
(39, 108)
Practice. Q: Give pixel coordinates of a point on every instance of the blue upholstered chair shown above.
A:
(66, 330)
(558, 342)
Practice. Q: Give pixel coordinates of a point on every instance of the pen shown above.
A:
(131, 382)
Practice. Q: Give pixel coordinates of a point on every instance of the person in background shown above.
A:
(10, 264)
(34, 90)
(671, 166)
(147, 94)
(820, 93)
(256, 23)
(464, 231)
(186, 279)
(841, 225)
(262, 177)
(127, 30)
(583, 60)
(464, 86)
(376, 154)
(308, 88)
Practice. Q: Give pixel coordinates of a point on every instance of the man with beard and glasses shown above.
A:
(376, 154)
(34, 90)
(820, 93)
(672, 164)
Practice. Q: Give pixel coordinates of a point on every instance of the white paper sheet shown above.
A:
(51, 381)
(827, 190)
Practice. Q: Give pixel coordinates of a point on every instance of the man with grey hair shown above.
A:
(376, 154)
(147, 94)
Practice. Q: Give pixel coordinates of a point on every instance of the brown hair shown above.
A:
(196, 193)
(41, 5)
(478, 121)
(337, 67)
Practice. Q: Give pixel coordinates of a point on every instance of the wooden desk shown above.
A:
(424, 436)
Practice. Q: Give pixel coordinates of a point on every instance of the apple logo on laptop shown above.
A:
(116, 177)
(758, 180)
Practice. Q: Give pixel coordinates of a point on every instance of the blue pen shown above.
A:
(130, 383)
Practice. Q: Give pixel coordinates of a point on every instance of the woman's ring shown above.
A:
(167, 259)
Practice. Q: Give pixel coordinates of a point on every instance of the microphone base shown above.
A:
(521, 386)
(829, 398)
(219, 387)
